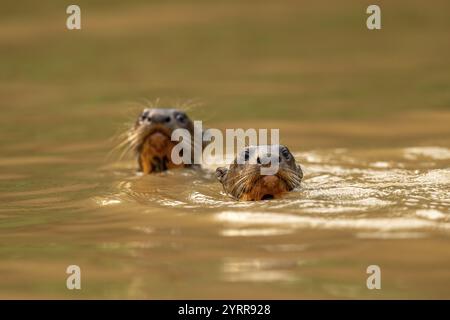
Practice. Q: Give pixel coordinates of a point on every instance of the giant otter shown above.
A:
(150, 138)
(244, 181)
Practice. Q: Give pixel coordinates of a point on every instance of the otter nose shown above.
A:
(265, 160)
(159, 118)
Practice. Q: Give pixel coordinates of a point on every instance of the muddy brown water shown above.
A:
(177, 235)
(365, 112)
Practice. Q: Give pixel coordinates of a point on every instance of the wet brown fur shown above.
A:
(245, 182)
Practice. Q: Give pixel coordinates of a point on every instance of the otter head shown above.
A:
(246, 178)
(151, 138)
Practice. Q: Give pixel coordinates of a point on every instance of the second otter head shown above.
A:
(246, 178)
(151, 137)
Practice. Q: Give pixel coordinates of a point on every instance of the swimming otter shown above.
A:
(150, 138)
(244, 181)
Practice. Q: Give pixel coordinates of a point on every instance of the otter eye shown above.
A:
(181, 118)
(286, 154)
(246, 155)
(144, 116)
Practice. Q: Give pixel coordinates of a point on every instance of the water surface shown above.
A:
(365, 113)
(177, 235)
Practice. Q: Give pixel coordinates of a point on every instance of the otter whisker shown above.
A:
(127, 142)
(253, 176)
(238, 187)
(246, 182)
(290, 175)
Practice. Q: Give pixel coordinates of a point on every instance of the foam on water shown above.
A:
(342, 189)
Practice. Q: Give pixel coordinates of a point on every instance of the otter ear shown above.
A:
(220, 173)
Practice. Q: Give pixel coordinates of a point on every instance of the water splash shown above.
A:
(342, 189)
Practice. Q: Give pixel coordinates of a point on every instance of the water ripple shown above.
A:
(385, 189)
